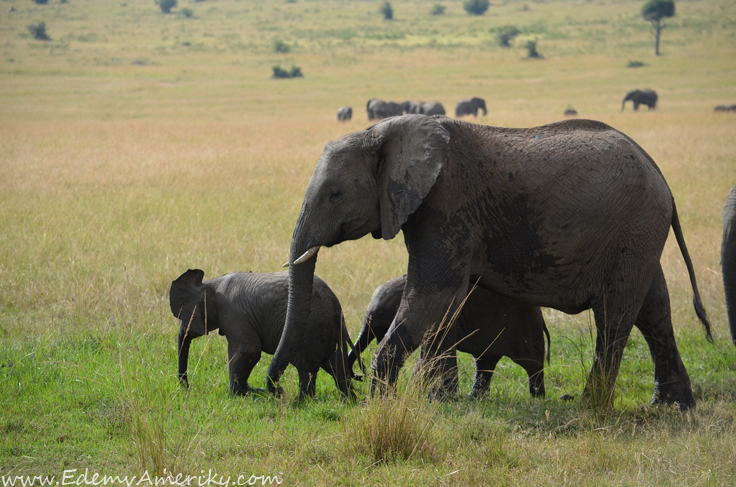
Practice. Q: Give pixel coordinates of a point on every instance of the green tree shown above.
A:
(387, 10)
(654, 11)
(476, 7)
(166, 5)
(438, 9)
(506, 34)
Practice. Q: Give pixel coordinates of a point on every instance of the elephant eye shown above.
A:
(335, 194)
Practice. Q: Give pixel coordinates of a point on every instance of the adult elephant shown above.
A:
(470, 107)
(641, 97)
(434, 108)
(378, 109)
(572, 215)
(414, 107)
(728, 259)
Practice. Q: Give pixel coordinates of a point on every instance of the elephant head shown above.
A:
(479, 104)
(365, 182)
(193, 303)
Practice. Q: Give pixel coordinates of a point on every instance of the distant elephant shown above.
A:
(414, 107)
(489, 327)
(344, 113)
(470, 107)
(572, 215)
(378, 109)
(249, 309)
(728, 259)
(571, 112)
(433, 108)
(725, 108)
(641, 97)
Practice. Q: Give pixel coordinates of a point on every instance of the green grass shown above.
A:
(135, 145)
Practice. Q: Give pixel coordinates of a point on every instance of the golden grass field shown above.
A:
(135, 145)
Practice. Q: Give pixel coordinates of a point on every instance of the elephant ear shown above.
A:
(186, 289)
(413, 150)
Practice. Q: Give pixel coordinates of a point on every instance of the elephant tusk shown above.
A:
(306, 256)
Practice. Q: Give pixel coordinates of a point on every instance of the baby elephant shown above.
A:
(490, 326)
(250, 310)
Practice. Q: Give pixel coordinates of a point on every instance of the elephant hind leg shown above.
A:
(535, 370)
(671, 380)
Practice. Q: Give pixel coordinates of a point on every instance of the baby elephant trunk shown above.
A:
(183, 347)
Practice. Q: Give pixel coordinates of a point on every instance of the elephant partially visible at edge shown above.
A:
(470, 107)
(641, 97)
(250, 309)
(426, 108)
(728, 259)
(489, 327)
(572, 215)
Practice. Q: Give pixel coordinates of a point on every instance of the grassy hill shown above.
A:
(135, 145)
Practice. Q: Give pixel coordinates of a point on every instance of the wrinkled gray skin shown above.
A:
(378, 109)
(728, 259)
(470, 107)
(249, 309)
(572, 215)
(344, 113)
(489, 327)
(641, 97)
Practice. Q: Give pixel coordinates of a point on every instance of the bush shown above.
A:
(506, 34)
(38, 31)
(187, 12)
(438, 10)
(634, 64)
(294, 72)
(41, 2)
(476, 7)
(166, 5)
(281, 46)
(387, 10)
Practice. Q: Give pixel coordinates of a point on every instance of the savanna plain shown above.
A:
(135, 145)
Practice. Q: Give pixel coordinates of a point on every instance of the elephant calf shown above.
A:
(250, 310)
(489, 327)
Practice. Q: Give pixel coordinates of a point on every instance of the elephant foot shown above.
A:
(680, 397)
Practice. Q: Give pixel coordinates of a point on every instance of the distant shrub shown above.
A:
(531, 48)
(476, 7)
(281, 46)
(634, 64)
(166, 5)
(294, 72)
(186, 12)
(41, 2)
(387, 10)
(38, 31)
(290, 1)
(506, 34)
(438, 9)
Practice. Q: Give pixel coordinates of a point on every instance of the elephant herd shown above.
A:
(497, 223)
(378, 109)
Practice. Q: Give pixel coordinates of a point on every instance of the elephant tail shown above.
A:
(697, 302)
(549, 342)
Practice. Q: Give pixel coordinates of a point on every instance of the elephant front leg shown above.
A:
(417, 316)
(614, 327)
(671, 380)
(241, 361)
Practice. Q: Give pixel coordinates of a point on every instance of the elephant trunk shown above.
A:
(301, 281)
(183, 343)
(365, 337)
